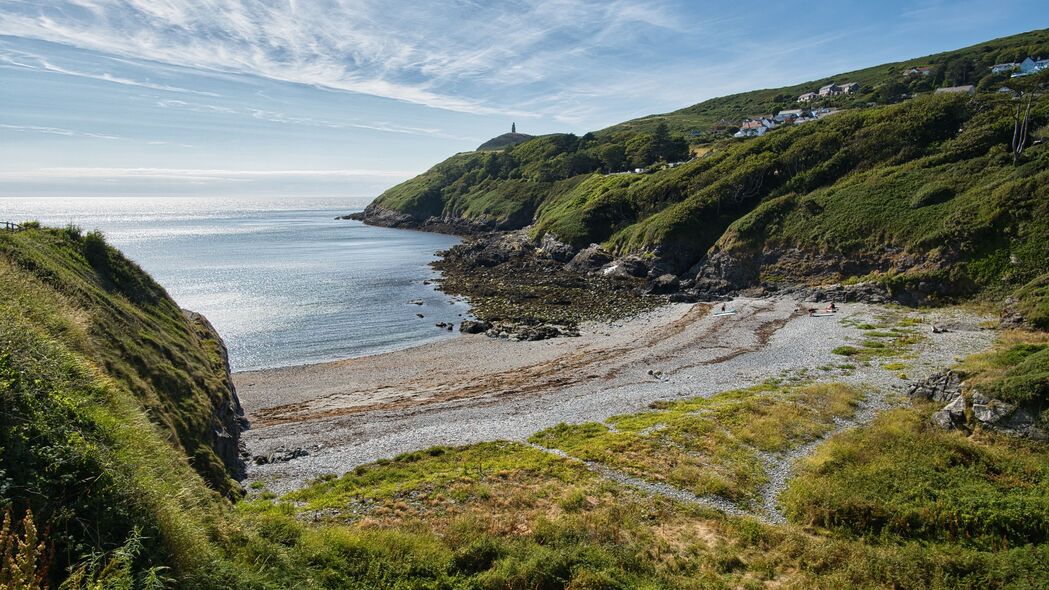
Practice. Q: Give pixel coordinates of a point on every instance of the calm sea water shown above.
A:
(282, 280)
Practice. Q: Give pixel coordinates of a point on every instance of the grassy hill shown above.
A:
(504, 141)
(888, 185)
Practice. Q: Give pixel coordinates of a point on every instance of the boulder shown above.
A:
(952, 415)
(552, 248)
(589, 259)
(629, 267)
(474, 326)
(941, 387)
(663, 285)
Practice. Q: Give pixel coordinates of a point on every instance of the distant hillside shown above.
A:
(504, 141)
(887, 185)
(878, 84)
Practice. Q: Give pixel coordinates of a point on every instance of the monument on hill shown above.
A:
(513, 127)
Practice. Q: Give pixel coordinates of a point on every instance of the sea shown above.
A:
(282, 280)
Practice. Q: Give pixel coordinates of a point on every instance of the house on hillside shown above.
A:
(808, 97)
(967, 89)
(755, 127)
(1031, 66)
(1004, 68)
(919, 72)
(835, 89)
(788, 115)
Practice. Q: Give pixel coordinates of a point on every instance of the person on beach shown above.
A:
(722, 307)
(832, 308)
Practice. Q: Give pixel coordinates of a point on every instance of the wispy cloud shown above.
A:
(441, 55)
(198, 174)
(56, 131)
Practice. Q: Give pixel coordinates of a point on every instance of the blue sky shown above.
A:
(347, 97)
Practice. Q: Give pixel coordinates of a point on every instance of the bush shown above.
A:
(932, 194)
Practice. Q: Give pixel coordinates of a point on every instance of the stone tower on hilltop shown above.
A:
(513, 127)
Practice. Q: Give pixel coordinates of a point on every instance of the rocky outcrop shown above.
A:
(909, 279)
(227, 415)
(626, 268)
(516, 332)
(969, 409)
(589, 259)
(375, 214)
(474, 327)
(664, 284)
(554, 249)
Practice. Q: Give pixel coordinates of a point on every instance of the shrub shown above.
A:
(932, 194)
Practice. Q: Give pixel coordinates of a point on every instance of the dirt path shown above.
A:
(474, 388)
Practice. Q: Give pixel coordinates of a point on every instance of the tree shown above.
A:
(958, 72)
(891, 91)
(641, 150)
(612, 156)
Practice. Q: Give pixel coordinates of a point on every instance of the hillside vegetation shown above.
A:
(895, 187)
(90, 457)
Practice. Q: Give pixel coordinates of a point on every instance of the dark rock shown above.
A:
(952, 415)
(942, 387)
(552, 248)
(280, 456)
(474, 326)
(419, 315)
(629, 267)
(663, 285)
(416, 302)
(359, 216)
(683, 297)
(974, 409)
(589, 259)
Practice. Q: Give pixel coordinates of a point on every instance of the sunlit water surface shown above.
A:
(281, 279)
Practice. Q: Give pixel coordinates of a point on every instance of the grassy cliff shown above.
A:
(119, 422)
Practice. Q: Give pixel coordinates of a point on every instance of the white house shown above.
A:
(808, 97)
(1003, 68)
(1031, 66)
(831, 89)
(755, 127)
(849, 87)
(919, 71)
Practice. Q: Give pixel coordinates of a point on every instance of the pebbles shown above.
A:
(468, 390)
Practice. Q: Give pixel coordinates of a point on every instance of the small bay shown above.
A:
(282, 280)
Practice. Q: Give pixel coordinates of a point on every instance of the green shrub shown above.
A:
(932, 194)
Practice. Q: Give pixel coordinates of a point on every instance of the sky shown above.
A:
(348, 97)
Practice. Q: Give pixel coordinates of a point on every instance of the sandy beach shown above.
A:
(475, 388)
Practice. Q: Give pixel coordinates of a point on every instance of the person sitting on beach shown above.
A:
(722, 307)
(832, 308)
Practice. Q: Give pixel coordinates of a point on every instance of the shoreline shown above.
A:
(335, 416)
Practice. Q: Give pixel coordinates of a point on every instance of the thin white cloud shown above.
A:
(197, 174)
(28, 61)
(56, 131)
(440, 55)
